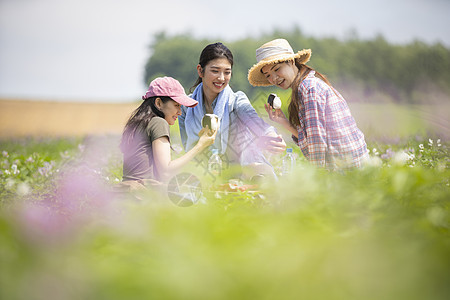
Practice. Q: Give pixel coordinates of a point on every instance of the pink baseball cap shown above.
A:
(169, 87)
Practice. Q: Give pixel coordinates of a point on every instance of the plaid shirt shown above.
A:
(328, 135)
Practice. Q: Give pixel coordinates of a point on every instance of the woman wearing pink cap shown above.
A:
(146, 138)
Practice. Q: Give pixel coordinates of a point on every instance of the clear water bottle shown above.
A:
(215, 163)
(288, 164)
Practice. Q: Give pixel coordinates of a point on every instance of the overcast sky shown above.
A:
(95, 50)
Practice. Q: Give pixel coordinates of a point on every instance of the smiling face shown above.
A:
(281, 75)
(215, 77)
(171, 110)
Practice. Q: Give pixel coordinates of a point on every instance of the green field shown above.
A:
(381, 232)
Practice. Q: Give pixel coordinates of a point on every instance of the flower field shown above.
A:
(381, 232)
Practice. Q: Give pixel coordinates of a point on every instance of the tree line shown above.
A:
(408, 73)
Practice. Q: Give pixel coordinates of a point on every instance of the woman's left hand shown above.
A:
(206, 137)
(273, 143)
(276, 115)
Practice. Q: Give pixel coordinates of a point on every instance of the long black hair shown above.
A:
(296, 102)
(141, 116)
(211, 52)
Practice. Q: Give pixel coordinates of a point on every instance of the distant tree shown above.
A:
(175, 56)
(375, 64)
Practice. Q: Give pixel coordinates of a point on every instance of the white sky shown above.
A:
(95, 50)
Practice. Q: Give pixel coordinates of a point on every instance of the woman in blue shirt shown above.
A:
(242, 135)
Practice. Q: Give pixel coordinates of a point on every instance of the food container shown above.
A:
(211, 120)
(274, 101)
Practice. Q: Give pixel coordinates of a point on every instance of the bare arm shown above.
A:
(162, 157)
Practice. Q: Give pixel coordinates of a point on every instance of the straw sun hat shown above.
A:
(274, 52)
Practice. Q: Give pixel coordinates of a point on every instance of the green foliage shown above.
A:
(31, 167)
(175, 57)
(27, 164)
(406, 73)
(381, 232)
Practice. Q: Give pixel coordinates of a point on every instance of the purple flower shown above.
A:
(388, 155)
(46, 170)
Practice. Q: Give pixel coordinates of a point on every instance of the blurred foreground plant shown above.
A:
(381, 232)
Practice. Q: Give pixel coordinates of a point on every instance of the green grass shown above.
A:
(381, 232)
(47, 147)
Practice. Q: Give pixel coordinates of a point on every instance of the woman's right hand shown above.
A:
(207, 137)
(277, 115)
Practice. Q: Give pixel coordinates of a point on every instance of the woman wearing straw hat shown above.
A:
(242, 134)
(146, 138)
(319, 118)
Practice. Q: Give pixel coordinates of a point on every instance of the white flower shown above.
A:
(438, 142)
(5, 154)
(430, 142)
(14, 169)
(421, 148)
(375, 151)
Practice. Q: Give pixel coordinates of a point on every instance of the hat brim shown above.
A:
(185, 100)
(257, 78)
